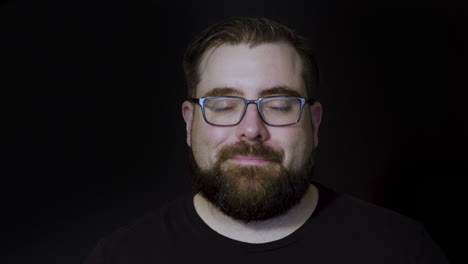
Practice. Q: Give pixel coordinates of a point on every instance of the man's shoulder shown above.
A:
(364, 230)
(352, 212)
(145, 237)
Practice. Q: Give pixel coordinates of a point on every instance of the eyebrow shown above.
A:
(276, 90)
(280, 90)
(222, 91)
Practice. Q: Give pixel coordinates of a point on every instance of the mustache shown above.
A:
(245, 149)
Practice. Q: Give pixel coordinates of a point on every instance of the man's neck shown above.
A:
(258, 231)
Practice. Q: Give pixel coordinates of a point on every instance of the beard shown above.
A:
(251, 193)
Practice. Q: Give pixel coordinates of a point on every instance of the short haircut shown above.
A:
(247, 30)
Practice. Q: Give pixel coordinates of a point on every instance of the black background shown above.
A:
(93, 136)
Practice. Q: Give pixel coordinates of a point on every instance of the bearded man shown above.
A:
(252, 127)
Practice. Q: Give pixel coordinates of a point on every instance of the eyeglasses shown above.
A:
(273, 110)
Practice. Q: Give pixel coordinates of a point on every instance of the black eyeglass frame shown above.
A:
(201, 102)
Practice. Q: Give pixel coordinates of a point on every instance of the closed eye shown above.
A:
(281, 109)
(220, 109)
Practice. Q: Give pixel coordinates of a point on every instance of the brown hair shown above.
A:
(253, 31)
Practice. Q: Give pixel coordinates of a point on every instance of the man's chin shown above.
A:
(246, 182)
(260, 176)
(252, 193)
(251, 189)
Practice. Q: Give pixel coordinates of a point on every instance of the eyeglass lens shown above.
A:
(274, 111)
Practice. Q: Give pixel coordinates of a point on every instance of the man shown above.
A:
(252, 127)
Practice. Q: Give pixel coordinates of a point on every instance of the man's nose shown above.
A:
(252, 128)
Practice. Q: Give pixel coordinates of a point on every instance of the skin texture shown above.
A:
(253, 72)
(250, 73)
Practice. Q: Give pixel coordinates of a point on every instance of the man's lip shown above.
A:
(249, 159)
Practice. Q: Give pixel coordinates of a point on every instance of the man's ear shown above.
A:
(187, 112)
(316, 118)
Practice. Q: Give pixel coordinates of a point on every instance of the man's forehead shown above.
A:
(276, 90)
(224, 50)
(268, 68)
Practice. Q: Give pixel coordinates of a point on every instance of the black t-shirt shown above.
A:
(342, 229)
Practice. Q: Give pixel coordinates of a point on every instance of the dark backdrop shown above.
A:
(93, 136)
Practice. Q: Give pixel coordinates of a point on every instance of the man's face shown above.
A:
(251, 146)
